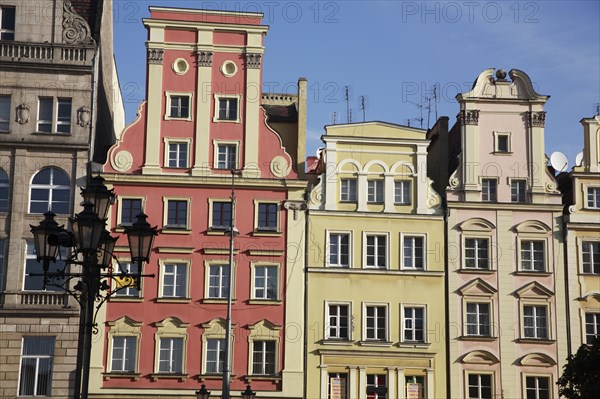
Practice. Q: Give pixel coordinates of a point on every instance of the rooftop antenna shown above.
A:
(349, 115)
(347, 98)
(334, 117)
(420, 106)
(362, 106)
(428, 111)
(597, 108)
(435, 100)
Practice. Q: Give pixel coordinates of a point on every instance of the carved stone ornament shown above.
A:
(253, 60)
(155, 55)
(23, 113)
(536, 119)
(83, 116)
(204, 58)
(469, 116)
(75, 29)
(295, 206)
(280, 167)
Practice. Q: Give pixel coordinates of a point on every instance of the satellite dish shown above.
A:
(559, 161)
(579, 159)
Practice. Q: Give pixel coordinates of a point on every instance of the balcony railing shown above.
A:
(46, 53)
(44, 298)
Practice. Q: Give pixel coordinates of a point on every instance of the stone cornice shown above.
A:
(200, 181)
(469, 117)
(163, 23)
(506, 206)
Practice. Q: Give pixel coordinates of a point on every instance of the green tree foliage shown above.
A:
(581, 374)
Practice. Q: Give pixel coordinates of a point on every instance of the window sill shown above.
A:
(375, 202)
(473, 270)
(124, 298)
(120, 228)
(226, 120)
(541, 341)
(274, 378)
(479, 338)
(502, 152)
(217, 300)
(337, 266)
(589, 274)
(215, 376)
(349, 202)
(532, 273)
(413, 344)
(264, 302)
(173, 300)
(337, 342)
(215, 232)
(386, 344)
(178, 118)
(169, 376)
(52, 134)
(117, 374)
(403, 203)
(266, 233)
(174, 230)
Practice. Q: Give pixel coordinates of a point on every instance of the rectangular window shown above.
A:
(415, 386)
(36, 283)
(375, 191)
(180, 107)
(127, 287)
(535, 322)
(263, 357)
(348, 190)
(376, 251)
(123, 354)
(376, 386)
(228, 109)
(376, 323)
(54, 115)
(477, 253)
(338, 385)
(503, 143)
(218, 281)
(4, 113)
(478, 319)
(267, 216)
(480, 386)
(537, 387)
(7, 23)
(130, 208)
(171, 355)
(590, 256)
(489, 190)
(4, 192)
(221, 215)
(532, 256)
(63, 118)
(414, 252)
(592, 327)
(338, 321)
(37, 358)
(226, 156)
(339, 250)
(178, 155)
(177, 214)
(265, 282)
(414, 324)
(593, 197)
(174, 283)
(215, 355)
(517, 190)
(45, 106)
(402, 192)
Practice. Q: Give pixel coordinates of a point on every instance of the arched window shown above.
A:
(50, 191)
(3, 191)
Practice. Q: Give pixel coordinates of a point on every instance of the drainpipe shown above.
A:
(305, 360)
(567, 295)
(446, 294)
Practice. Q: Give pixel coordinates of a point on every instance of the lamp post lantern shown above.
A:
(248, 393)
(203, 393)
(91, 248)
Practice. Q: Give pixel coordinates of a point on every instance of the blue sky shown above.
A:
(394, 52)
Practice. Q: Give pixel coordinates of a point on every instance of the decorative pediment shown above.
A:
(532, 226)
(349, 166)
(477, 287)
(533, 290)
(480, 357)
(403, 168)
(171, 323)
(264, 329)
(124, 322)
(592, 299)
(537, 360)
(493, 84)
(215, 327)
(476, 224)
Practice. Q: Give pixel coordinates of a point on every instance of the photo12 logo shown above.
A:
(470, 11)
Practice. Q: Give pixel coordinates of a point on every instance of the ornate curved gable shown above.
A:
(479, 357)
(493, 85)
(476, 224)
(532, 226)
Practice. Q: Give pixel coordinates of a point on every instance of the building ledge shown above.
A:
(215, 376)
(219, 301)
(337, 342)
(266, 233)
(476, 338)
(476, 271)
(409, 344)
(173, 230)
(274, 378)
(264, 302)
(535, 341)
(169, 376)
(173, 300)
(114, 374)
(375, 343)
(532, 273)
(124, 298)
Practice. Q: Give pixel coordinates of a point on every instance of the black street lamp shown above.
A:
(248, 394)
(203, 393)
(91, 248)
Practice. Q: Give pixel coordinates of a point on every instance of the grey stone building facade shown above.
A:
(60, 109)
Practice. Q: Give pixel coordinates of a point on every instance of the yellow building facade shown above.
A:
(375, 267)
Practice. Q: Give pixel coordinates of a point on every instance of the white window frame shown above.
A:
(368, 234)
(530, 242)
(216, 270)
(37, 364)
(479, 386)
(185, 263)
(375, 191)
(6, 119)
(230, 143)
(401, 184)
(486, 191)
(595, 325)
(177, 141)
(51, 188)
(595, 193)
(264, 356)
(208, 265)
(127, 346)
(257, 228)
(121, 199)
(55, 122)
(594, 267)
(219, 351)
(537, 376)
(169, 96)
(166, 201)
(327, 330)
(339, 254)
(478, 325)
(403, 329)
(171, 353)
(254, 266)
(218, 98)
(413, 259)
(348, 190)
(211, 222)
(477, 259)
(535, 306)
(520, 195)
(367, 305)
(497, 136)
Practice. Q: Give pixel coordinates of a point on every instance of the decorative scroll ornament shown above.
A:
(469, 117)
(454, 180)
(317, 197)
(536, 119)
(253, 60)
(83, 116)
(23, 113)
(433, 198)
(155, 55)
(122, 161)
(75, 29)
(280, 167)
(204, 58)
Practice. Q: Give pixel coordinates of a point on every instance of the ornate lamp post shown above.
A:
(203, 393)
(91, 248)
(248, 394)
